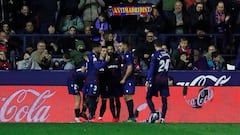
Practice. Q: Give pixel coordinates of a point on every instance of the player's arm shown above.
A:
(127, 74)
(100, 64)
(150, 72)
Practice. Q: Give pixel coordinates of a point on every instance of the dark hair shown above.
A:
(215, 54)
(95, 44)
(126, 43)
(67, 55)
(157, 43)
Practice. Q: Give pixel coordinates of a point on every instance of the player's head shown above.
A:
(110, 49)
(124, 46)
(96, 48)
(157, 44)
(103, 52)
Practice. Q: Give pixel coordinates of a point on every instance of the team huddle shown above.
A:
(108, 74)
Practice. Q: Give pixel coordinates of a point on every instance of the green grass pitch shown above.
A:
(118, 129)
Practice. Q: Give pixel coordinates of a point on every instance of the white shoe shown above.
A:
(153, 117)
(162, 120)
(77, 120)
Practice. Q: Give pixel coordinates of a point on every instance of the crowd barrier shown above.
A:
(41, 96)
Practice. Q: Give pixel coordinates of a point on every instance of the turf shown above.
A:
(118, 129)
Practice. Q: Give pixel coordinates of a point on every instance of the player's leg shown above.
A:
(102, 108)
(150, 103)
(84, 107)
(164, 92)
(92, 106)
(77, 107)
(118, 107)
(130, 105)
(112, 107)
(164, 109)
(152, 91)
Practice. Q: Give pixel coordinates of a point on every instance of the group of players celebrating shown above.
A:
(110, 75)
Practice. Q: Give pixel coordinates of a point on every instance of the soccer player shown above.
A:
(114, 86)
(75, 84)
(127, 79)
(103, 88)
(157, 80)
(92, 78)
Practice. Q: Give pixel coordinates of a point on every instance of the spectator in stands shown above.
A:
(70, 19)
(144, 25)
(4, 62)
(30, 41)
(184, 63)
(167, 5)
(27, 63)
(208, 55)
(66, 5)
(182, 48)
(90, 10)
(192, 7)
(41, 56)
(199, 61)
(3, 41)
(199, 17)
(178, 23)
(200, 41)
(215, 63)
(114, 21)
(44, 13)
(6, 28)
(67, 43)
(52, 41)
(220, 23)
(145, 50)
(159, 24)
(110, 38)
(87, 38)
(68, 62)
(100, 26)
(11, 43)
(77, 54)
(7, 11)
(22, 18)
(57, 65)
(128, 23)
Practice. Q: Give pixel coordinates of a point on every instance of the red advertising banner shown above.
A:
(54, 104)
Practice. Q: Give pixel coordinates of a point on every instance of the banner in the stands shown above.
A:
(129, 10)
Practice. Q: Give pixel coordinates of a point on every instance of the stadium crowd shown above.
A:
(51, 34)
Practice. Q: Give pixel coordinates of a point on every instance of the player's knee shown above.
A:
(127, 97)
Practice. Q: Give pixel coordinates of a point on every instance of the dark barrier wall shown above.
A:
(182, 78)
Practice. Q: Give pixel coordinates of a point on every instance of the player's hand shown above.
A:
(107, 58)
(147, 84)
(122, 81)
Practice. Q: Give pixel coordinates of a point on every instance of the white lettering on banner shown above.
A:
(202, 79)
(35, 112)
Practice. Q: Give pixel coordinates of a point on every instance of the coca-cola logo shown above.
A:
(203, 79)
(204, 95)
(15, 109)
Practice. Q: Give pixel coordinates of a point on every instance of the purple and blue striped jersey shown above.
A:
(93, 66)
(159, 66)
